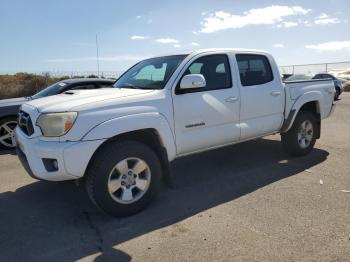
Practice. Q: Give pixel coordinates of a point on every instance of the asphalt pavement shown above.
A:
(247, 202)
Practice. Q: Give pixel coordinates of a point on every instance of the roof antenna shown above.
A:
(97, 58)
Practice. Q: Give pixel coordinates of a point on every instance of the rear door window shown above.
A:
(254, 69)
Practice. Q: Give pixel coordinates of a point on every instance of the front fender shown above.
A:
(129, 123)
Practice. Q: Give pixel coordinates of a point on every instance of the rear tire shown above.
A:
(7, 128)
(301, 138)
(123, 178)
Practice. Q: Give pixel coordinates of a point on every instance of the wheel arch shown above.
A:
(154, 123)
(308, 102)
(152, 129)
(149, 137)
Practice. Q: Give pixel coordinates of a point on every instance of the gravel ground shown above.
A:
(247, 202)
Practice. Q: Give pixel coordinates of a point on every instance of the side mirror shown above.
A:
(192, 81)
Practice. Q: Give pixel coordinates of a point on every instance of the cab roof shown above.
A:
(199, 51)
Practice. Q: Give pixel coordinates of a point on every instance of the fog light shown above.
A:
(55, 164)
(51, 165)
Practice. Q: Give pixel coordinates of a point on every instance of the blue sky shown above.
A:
(60, 35)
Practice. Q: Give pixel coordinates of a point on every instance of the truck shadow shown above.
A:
(7, 152)
(55, 222)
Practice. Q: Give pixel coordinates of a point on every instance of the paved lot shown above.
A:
(248, 202)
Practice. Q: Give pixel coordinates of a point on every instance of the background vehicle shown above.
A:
(298, 77)
(338, 84)
(9, 107)
(122, 139)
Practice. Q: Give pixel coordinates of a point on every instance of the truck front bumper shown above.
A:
(71, 158)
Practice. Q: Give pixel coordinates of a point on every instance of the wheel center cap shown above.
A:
(128, 180)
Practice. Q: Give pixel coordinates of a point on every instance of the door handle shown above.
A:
(275, 93)
(231, 99)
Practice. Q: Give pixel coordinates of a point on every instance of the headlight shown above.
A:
(56, 124)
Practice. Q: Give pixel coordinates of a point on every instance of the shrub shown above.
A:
(25, 84)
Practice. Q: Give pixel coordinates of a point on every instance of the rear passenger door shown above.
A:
(262, 96)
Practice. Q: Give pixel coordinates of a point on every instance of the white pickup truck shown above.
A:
(121, 140)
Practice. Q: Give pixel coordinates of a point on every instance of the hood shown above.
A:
(71, 100)
(13, 101)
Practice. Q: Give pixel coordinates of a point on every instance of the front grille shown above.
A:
(25, 123)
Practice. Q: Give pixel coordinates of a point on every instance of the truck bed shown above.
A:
(324, 87)
(297, 88)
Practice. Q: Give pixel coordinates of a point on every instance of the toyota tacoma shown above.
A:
(121, 140)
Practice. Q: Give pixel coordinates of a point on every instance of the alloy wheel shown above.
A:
(129, 180)
(7, 134)
(305, 134)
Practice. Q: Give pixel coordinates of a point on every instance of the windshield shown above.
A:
(50, 90)
(152, 73)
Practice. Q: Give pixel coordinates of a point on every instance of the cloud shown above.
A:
(92, 58)
(331, 46)
(306, 23)
(288, 24)
(195, 44)
(148, 21)
(270, 15)
(322, 16)
(138, 37)
(278, 45)
(167, 41)
(325, 19)
(176, 45)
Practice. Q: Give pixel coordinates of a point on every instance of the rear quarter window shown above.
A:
(254, 69)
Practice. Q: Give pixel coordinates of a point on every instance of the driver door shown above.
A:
(209, 116)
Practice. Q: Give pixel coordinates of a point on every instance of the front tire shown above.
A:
(301, 138)
(123, 178)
